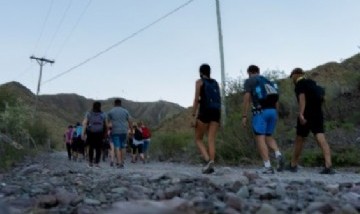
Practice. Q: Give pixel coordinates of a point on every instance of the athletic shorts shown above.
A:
(209, 115)
(119, 140)
(264, 122)
(314, 123)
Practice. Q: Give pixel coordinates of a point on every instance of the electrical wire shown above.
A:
(43, 26)
(120, 42)
(59, 26)
(73, 29)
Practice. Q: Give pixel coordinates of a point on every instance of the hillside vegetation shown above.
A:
(172, 135)
(235, 144)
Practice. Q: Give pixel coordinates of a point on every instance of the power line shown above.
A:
(73, 29)
(59, 26)
(121, 41)
(43, 26)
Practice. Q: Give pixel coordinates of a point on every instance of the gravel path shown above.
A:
(52, 184)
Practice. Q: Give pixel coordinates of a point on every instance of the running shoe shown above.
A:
(208, 168)
(280, 163)
(328, 171)
(267, 170)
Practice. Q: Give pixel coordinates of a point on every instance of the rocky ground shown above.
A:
(51, 184)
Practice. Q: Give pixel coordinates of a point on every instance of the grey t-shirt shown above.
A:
(249, 86)
(119, 117)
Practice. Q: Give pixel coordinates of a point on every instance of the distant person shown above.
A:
(263, 95)
(146, 139)
(310, 118)
(95, 127)
(119, 118)
(68, 140)
(79, 141)
(138, 143)
(206, 115)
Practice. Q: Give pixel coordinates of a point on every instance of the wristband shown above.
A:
(244, 116)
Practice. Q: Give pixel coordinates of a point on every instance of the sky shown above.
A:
(150, 50)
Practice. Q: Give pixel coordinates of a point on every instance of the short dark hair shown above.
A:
(117, 102)
(297, 71)
(253, 69)
(96, 106)
(205, 70)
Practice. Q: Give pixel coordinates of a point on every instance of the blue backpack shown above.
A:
(265, 92)
(212, 98)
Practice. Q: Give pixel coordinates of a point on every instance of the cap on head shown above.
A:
(297, 71)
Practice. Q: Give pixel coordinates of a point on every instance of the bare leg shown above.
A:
(112, 152)
(272, 143)
(321, 140)
(199, 135)
(213, 128)
(299, 145)
(262, 147)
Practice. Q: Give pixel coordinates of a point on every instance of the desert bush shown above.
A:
(236, 143)
(168, 146)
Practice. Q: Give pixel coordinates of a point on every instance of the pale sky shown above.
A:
(162, 61)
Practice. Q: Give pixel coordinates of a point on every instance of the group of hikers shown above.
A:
(107, 134)
(261, 97)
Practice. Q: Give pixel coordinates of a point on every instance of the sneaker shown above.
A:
(90, 165)
(97, 165)
(280, 163)
(111, 164)
(120, 165)
(291, 168)
(328, 171)
(267, 170)
(208, 168)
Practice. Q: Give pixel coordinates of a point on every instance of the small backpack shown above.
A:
(145, 132)
(96, 122)
(212, 98)
(317, 91)
(265, 91)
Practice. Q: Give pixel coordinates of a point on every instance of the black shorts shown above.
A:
(209, 115)
(315, 124)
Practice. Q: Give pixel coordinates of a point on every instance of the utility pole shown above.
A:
(42, 62)
(221, 48)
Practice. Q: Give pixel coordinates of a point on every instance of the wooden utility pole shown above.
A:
(221, 49)
(42, 62)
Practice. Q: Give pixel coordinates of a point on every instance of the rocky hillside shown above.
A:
(58, 111)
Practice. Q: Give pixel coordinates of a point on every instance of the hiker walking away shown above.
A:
(138, 143)
(310, 98)
(68, 140)
(206, 115)
(79, 141)
(95, 127)
(146, 139)
(263, 95)
(119, 118)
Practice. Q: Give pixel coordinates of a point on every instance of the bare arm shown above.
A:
(302, 103)
(246, 104)
(197, 96)
(85, 123)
